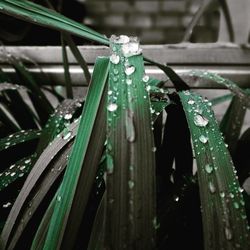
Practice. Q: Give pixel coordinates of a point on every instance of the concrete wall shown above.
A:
(154, 21)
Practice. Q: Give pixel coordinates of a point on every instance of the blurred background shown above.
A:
(154, 21)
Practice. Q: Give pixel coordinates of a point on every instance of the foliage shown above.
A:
(111, 172)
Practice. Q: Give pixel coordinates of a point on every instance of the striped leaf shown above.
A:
(83, 162)
(31, 12)
(224, 217)
(232, 123)
(130, 215)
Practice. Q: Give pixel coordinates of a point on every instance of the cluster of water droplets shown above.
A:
(15, 171)
(231, 199)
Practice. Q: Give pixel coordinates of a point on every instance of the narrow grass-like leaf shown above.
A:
(217, 100)
(232, 123)
(37, 14)
(11, 125)
(83, 162)
(11, 86)
(78, 56)
(189, 30)
(58, 121)
(40, 171)
(68, 82)
(223, 212)
(179, 84)
(19, 137)
(15, 171)
(130, 155)
(243, 94)
(40, 101)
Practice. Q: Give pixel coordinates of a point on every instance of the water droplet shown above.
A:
(200, 121)
(228, 233)
(208, 168)
(22, 167)
(154, 149)
(131, 184)
(27, 161)
(156, 224)
(203, 139)
(145, 78)
(176, 198)
(12, 166)
(115, 59)
(236, 205)
(110, 92)
(67, 135)
(13, 174)
(116, 71)
(112, 107)
(211, 187)
(231, 195)
(6, 205)
(129, 70)
(129, 81)
(110, 164)
(21, 175)
(240, 190)
(59, 198)
(222, 194)
(186, 92)
(115, 79)
(191, 102)
(130, 127)
(68, 116)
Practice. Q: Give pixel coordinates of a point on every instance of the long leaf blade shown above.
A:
(37, 14)
(224, 216)
(65, 216)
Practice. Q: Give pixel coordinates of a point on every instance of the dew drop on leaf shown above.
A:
(58, 198)
(145, 78)
(228, 233)
(236, 205)
(112, 107)
(208, 168)
(203, 139)
(67, 135)
(110, 164)
(129, 70)
(6, 205)
(191, 102)
(129, 81)
(115, 59)
(222, 194)
(211, 187)
(131, 184)
(68, 116)
(200, 121)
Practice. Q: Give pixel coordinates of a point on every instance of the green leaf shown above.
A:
(82, 166)
(31, 12)
(130, 156)
(234, 88)
(15, 171)
(19, 137)
(220, 99)
(178, 82)
(223, 212)
(78, 56)
(47, 169)
(58, 122)
(232, 123)
(40, 101)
